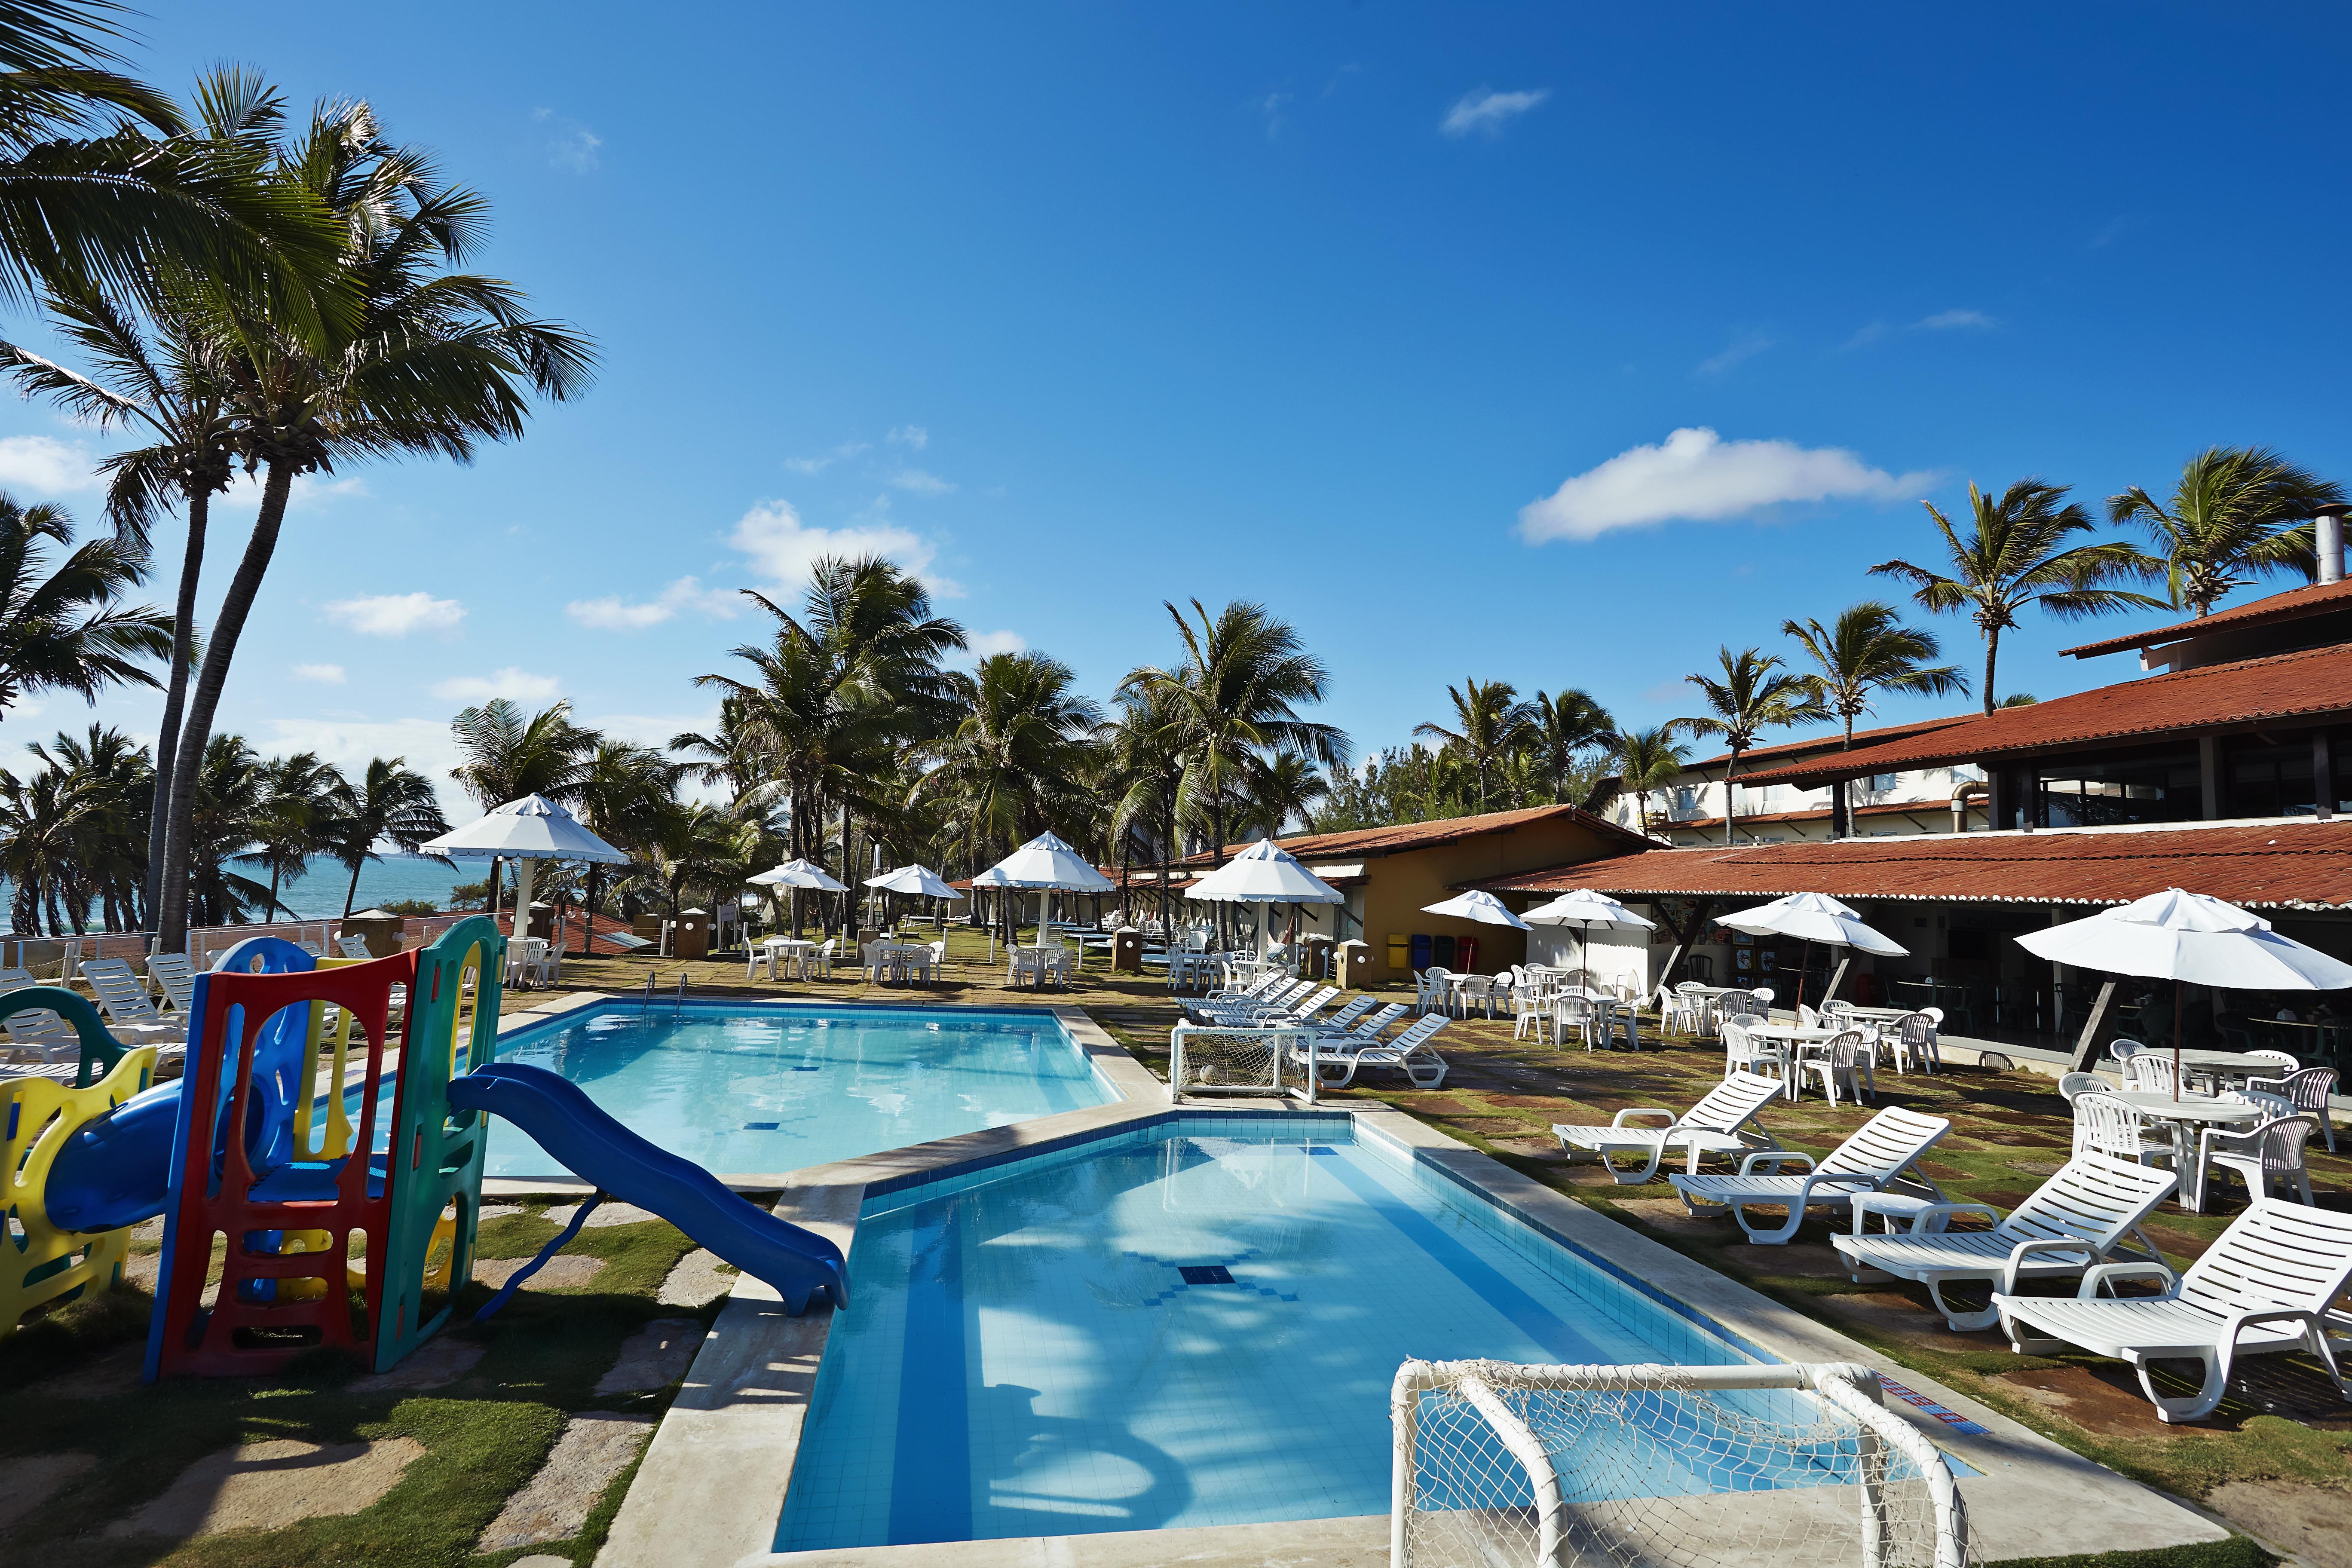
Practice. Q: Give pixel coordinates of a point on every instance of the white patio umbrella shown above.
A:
(525, 831)
(1583, 908)
(1264, 873)
(914, 882)
(796, 874)
(2191, 940)
(1476, 905)
(1811, 918)
(1045, 864)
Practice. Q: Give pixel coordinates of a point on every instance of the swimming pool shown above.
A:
(747, 1087)
(1195, 1322)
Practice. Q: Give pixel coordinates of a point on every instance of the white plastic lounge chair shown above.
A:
(1872, 1160)
(1349, 1016)
(1714, 1126)
(351, 944)
(130, 1012)
(2077, 1218)
(37, 1032)
(2265, 1285)
(170, 972)
(1334, 1050)
(1410, 1053)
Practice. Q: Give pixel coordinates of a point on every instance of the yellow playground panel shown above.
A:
(39, 1262)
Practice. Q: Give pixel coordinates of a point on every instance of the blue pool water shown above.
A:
(1054, 1348)
(747, 1087)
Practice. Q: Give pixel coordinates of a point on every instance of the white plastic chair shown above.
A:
(1531, 1009)
(813, 959)
(2105, 1125)
(1838, 1060)
(2148, 1073)
(1744, 1051)
(2073, 1086)
(2272, 1152)
(2308, 1089)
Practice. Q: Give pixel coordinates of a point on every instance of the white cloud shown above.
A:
(425, 744)
(515, 685)
(1697, 474)
(983, 644)
(1487, 111)
(1941, 322)
(44, 465)
(812, 467)
(1271, 106)
(616, 613)
(913, 435)
(1744, 347)
(572, 146)
(781, 547)
(1946, 321)
(397, 615)
(918, 482)
(324, 674)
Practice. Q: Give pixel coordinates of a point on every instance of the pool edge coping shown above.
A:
(713, 1480)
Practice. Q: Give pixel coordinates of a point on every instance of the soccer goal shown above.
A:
(1206, 1058)
(1503, 1465)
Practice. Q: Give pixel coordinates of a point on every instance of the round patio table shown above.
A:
(2187, 1116)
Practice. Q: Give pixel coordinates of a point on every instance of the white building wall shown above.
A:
(1695, 796)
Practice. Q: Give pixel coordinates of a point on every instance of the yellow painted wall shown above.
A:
(1398, 886)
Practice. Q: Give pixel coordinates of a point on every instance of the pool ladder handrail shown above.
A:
(653, 977)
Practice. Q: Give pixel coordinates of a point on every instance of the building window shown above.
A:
(1686, 798)
(2102, 791)
(1881, 783)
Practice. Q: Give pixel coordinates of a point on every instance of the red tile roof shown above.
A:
(2313, 682)
(1835, 738)
(2302, 865)
(1398, 838)
(2318, 598)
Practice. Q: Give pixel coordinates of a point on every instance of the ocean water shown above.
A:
(317, 894)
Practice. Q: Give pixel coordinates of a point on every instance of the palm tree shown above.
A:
(1752, 696)
(1490, 722)
(1866, 651)
(2235, 512)
(295, 820)
(59, 627)
(169, 389)
(1142, 773)
(1284, 789)
(509, 753)
(109, 774)
(1560, 727)
(430, 361)
(2014, 555)
(389, 803)
(231, 786)
(1235, 698)
(1647, 761)
(44, 820)
(628, 799)
(1013, 764)
(150, 205)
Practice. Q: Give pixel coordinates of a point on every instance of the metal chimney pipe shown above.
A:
(2327, 524)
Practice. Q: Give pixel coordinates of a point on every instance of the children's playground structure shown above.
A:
(300, 1124)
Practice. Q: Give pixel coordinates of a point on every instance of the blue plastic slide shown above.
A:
(591, 1145)
(111, 1172)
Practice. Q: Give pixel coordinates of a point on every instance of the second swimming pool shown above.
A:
(746, 1088)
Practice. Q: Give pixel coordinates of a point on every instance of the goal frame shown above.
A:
(1283, 1078)
(1849, 1388)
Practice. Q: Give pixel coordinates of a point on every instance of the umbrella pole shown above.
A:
(2179, 1006)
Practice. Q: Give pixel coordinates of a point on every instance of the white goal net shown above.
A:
(1207, 1059)
(1503, 1465)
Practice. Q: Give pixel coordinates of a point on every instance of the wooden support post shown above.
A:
(1837, 978)
(2086, 1048)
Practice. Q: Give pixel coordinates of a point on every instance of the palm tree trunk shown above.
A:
(243, 588)
(1730, 796)
(351, 894)
(175, 697)
(1992, 649)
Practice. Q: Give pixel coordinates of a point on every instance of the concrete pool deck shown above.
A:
(713, 1484)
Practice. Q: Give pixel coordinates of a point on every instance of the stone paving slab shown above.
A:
(653, 1357)
(595, 1447)
(699, 1278)
(271, 1484)
(439, 1361)
(565, 1271)
(602, 1216)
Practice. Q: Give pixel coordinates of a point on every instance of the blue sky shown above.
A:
(1078, 307)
